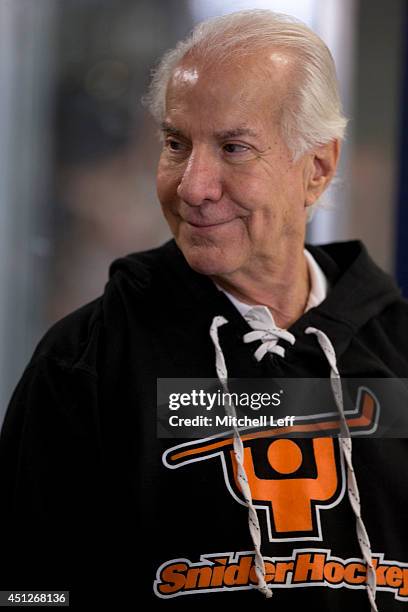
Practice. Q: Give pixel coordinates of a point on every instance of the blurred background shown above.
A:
(78, 151)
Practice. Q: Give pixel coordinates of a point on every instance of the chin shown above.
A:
(210, 259)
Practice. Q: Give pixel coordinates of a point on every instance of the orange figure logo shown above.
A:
(291, 499)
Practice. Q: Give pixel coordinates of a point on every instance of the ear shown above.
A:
(322, 169)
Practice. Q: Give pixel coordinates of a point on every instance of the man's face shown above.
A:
(232, 196)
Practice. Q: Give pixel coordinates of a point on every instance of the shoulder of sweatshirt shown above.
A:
(72, 342)
(394, 321)
(386, 334)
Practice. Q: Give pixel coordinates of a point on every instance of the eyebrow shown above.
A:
(222, 135)
(236, 133)
(169, 129)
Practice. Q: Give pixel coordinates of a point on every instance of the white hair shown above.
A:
(311, 113)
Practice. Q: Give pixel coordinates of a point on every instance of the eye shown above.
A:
(233, 147)
(174, 145)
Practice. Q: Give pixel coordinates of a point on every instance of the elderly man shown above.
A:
(93, 499)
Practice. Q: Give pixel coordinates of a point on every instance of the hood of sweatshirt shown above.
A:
(360, 292)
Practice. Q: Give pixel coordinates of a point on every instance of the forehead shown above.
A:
(244, 89)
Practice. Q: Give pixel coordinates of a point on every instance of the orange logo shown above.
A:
(302, 473)
(285, 457)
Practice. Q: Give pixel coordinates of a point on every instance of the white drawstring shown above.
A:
(253, 521)
(346, 447)
(262, 331)
(270, 337)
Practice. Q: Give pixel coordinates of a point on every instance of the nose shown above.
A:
(201, 181)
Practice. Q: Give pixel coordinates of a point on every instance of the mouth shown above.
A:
(207, 225)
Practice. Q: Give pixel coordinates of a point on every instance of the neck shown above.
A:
(283, 286)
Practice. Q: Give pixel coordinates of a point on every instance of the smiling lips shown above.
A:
(208, 225)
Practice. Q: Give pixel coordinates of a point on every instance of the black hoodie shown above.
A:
(95, 503)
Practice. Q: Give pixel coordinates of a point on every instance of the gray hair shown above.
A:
(311, 114)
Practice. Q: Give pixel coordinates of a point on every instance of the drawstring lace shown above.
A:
(270, 337)
(238, 447)
(346, 447)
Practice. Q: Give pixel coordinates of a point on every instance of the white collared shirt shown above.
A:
(318, 290)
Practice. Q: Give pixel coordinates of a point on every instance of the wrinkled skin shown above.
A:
(234, 199)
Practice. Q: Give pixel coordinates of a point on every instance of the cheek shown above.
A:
(259, 197)
(167, 182)
(256, 184)
(246, 191)
(266, 197)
